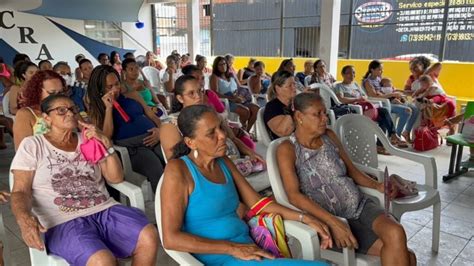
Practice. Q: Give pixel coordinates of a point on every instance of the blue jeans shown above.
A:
(406, 120)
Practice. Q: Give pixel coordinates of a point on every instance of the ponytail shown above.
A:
(180, 149)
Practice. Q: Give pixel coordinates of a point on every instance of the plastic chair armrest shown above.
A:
(356, 108)
(183, 258)
(307, 237)
(132, 192)
(428, 162)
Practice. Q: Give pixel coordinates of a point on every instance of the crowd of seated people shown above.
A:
(195, 147)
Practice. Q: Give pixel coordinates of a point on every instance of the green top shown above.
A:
(145, 93)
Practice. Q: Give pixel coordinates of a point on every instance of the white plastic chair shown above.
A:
(263, 136)
(328, 94)
(132, 192)
(304, 234)
(6, 106)
(358, 136)
(132, 176)
(153, 76)
(348, 256)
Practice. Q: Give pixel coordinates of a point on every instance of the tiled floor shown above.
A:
(457, 215)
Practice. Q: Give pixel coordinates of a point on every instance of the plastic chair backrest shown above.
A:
(358, 136)
(182, 258)
(6, 104)
(327, 94)
(153, 75)
(274, 174)
(262, 129)
(469, 111)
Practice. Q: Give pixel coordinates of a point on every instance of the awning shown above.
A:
(107, 10)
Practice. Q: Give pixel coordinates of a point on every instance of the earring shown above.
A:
(196, 154)
(300, 121)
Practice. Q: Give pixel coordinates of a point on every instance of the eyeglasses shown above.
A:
(62, 110)
(194, 94)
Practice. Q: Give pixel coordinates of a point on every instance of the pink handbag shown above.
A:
(92, 149)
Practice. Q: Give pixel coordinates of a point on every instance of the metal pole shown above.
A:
(442, 46)
(211, 26)
(282, 13)
(349, 37)
(153, 27)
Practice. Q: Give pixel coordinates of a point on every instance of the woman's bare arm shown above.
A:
(169, 137)
(281, 125)
(23, 126)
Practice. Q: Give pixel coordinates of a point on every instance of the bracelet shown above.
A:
(301, 216)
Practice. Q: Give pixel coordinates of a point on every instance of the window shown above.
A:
(103, 31)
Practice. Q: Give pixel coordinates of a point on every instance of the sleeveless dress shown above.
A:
(212, 213)
(323, 178)
(40, 127)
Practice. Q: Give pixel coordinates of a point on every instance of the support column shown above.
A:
(192, 14)
(329, 33)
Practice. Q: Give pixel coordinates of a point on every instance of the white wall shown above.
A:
(144, 36)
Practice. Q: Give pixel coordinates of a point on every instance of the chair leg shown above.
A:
(436, 226)
(349, 256)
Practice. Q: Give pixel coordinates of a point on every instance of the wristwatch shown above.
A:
(110, 151)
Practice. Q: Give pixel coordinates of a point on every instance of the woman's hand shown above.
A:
(248, 252)
(256, 157)
(108, 99)
(31, 229)
(93, 132)
(323, 231)
(152, 139)
(393, 189)
(4, 196)
(342, 234)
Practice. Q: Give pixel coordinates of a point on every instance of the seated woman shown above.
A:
(116, 62)
(225, 85)
(151, 60)
(188, 92)
(131, 72)
(289, 66)
(276, 116)
(141, 134)
(29, 120)
(23, 73)
(58, 193)
(320, 75)
(171, 73)
(349, 91)
(246, 72)
(259, 83)
(230, 62)
(406, 112)
(201, 63)
(320, 179)
(418, 66)
(200, 197)
(308, 71)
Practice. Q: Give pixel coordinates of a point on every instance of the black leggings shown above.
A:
(147, 161)
(385, 123)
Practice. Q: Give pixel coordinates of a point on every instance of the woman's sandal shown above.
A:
(382, 151)
(406, 136)
(396, 141)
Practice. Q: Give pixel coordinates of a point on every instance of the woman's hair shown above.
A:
(21, 69)
(189, 69)
(48, 102)
(60, 64)
(317, 62)
(278, 79)
(34, 86)
(199, 57)
(421, 60)
(20, 57)
(228, 57)
(176, 106)
(43, 62)
(252, 61)
(83, 61)
(374, 64)
(101, 55)
(304, 100)
(215, 67)
(170, 58)
(285, 63)
(95, 91)
(345, 68)
(258, 64)
(187, 121)
(126, 62)
(79, 57)
(112, 57)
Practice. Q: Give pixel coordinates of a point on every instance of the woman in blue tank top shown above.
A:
(201, 194)
(140, 134)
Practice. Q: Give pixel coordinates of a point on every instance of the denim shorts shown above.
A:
(115, 229)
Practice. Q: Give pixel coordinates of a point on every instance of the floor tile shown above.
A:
(461, 213)
(450, 246)
(455, 227)
(464, 200)
(418, 217)
(468, 252)
(462, 262)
